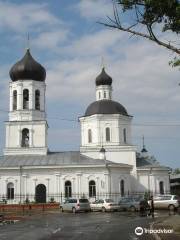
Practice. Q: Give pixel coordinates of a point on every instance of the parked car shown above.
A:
(170, 202)
(1, 217)
(3, 201)
(75, 205)
(130, 204)
(104, 205)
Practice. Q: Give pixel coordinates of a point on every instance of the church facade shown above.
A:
(107, 164)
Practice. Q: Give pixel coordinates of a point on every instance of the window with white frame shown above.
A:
(14, 100)
(10, 191)
(89, 136)
(92, 188)
(108, 134)
(68, 189)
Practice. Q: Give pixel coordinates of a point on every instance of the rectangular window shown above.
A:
(107, 134)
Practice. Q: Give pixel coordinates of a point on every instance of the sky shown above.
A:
(67, 40)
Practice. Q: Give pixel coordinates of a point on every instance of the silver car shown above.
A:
(75, 205)
(170, 202)
(104, 205)
(129, 203)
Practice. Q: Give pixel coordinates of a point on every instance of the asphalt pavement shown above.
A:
(81, 226)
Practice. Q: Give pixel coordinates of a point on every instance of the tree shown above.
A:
(155, 16)
(176, 171)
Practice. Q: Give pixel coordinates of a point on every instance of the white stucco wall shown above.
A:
(98, 124)
(26, 179)
(149, 180)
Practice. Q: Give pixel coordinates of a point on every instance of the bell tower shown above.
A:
(26, 130)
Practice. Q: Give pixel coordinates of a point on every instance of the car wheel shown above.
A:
(73, 210)
(171, 207)
(132, 209)
(61, 209)
(103, 209)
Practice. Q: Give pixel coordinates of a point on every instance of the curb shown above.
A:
(156, 235)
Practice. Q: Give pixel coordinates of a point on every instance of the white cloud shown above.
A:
(140, 71)
(96, 43)
(25, 17)
(95, 9)
(50, 40)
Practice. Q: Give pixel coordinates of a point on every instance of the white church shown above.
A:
(107, 164)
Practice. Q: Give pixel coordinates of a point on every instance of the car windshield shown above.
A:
(83, 200)
(126, 200)
(109, 200)
(72, 200)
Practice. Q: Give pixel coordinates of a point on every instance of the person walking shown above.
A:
(151, 203)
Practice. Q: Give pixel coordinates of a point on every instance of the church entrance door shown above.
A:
(40, 193)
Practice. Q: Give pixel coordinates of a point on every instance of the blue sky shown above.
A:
(66, 39)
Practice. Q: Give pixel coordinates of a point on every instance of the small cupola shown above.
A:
(144, 152)
(103, 78)
(102, 153)
(27, 69)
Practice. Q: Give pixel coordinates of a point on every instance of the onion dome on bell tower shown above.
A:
(27, 116)
(27, 69)
(103, 78)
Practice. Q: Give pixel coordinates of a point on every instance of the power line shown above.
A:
(159, 124)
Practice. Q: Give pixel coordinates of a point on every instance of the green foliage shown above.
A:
(146, 195)
(152, 13)
(176, 171)
(164, 12)
(175, 62)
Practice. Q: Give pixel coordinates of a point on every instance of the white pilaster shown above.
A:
(107, 182)
(19, 87)
(24, 186)
(79, 183)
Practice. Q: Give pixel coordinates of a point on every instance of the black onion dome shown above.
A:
(105, 107)
(103, 78)
(102, 150)
(144, 150)
(27, 69)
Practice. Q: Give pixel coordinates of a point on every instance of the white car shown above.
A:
(104, 205)
(170, 202)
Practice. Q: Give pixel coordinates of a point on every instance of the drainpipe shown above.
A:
(20, 182)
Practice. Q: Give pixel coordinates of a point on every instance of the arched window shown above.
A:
(89, 136)
(122, 187)
(10, 191)
(99, 95)
(104, 94)
(25, 99)
(92, 188)
(161, 187)
(14, 100)
(107, 134)
(68, 189)
(25, 137)
(124, 135)
(37, 100)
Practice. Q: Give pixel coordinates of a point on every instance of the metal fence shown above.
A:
(59, 198)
